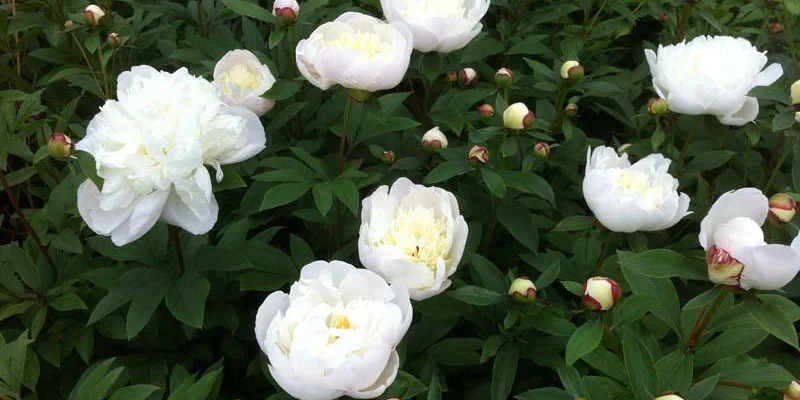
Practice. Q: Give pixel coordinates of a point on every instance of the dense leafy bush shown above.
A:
(172, 314)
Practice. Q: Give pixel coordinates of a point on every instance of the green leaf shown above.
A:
(632, 308)
(793, 6)
(545, 394)
(457, 351)
(477, 296)
(434, 389)
(504, 370)
(548, 276)
(144, 304)
(494, 182)
(702, 389)
(520, 224)
(584, 340)
(574, 223)
(323, 197)
(249, 9)
(666, 305)
(675, 371)
(68, 302)
(405, 386)
(447, 170)
(772, 319)
(135, 392)
(347, 192)
(492, 346)
(663, 263)
(186, 299)
(708, 161)
(283, 194)
(202, 388)
(488, 274)
(783, 121)
(642, 373)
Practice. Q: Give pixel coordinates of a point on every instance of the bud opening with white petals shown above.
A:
(388, 157)
(522, 290)
(504, 77)
(572, 71)
(723, 269)
(601, 293)
(434, 139)
(517, 116)
(782, 208)
(795, 92)
(479, 154)
(60, 146)
(114, 40)
(669, 396)
(286, 11)
(541, 150)
(93, 14)
(486, 111)
(793, 391)
(467, 76)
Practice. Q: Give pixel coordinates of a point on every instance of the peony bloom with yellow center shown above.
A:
(438, 25)
(243, 80)
(630, 198)
(413, 235)
(334, 334)
(356, 51)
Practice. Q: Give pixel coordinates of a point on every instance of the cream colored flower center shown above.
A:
(241, 76)
(634, 181)
(367, 43)
(440, 8)
(419, 234)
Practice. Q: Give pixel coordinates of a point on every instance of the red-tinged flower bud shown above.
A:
(624, 148)
(60, 146)
(669, 396)
(571, 109)
(114, 40)
(434, 139)
(486, 111)
(723, 269)
(93, 14)
(601, 293)
(467, 76)
(388, 157)
(793, 391)
(775, 27)
(541, 150)
(572, 71)
(657, 106)
(504, 77)
(286, 11)
(452, 76)
(479, 154)
(517, 117)
(69, 25)
(522, 290)
(782, 208)
(663, 17)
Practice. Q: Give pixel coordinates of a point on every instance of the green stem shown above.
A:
(24, 221)
(348, 110)
(778, 166)
(704, 319)
(682, 20)
(594, 20)
(175, 238)
(103, 69)
(89, 65)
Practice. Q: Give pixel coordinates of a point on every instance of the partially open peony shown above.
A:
(150, 147)
(438, 25)
(334, 334)
(712, 75)
(243, 80)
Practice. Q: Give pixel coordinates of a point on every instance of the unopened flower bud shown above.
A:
(793, 391)
(541, 150)
(795, 92)
(601, 293)
(60, 146)
(479, 154)
(93, 14)
(522, 290)
(723, 269)
(669, 396)
(623, 148)
(452, 76)
(388, 157)
(797, 117)
(775, 27)
(571, 109)
(467, 76)
(572, 70)
(663, 17)
(504, 77)
(782, 208)
(486, 111)
(69, 25)
(359, 95)
(114, 40)
(434, 139)
(286, 11)
(517, 116)
(657, 106)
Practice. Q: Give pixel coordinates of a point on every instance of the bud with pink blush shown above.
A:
(601, 293)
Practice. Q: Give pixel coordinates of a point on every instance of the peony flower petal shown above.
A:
(300, 390)
(769, 76)
(746, 114)
(747, 202)
(387, 377)
(768, 267)
(145, 214)
(274, 303)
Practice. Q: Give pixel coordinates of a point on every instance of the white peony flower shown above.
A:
(630, 198)
(736, 252)
(335, 333)
(243, 80)
(150, 146)
(712, 75)
(356, 51)
(412, 235)
(438, 25)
